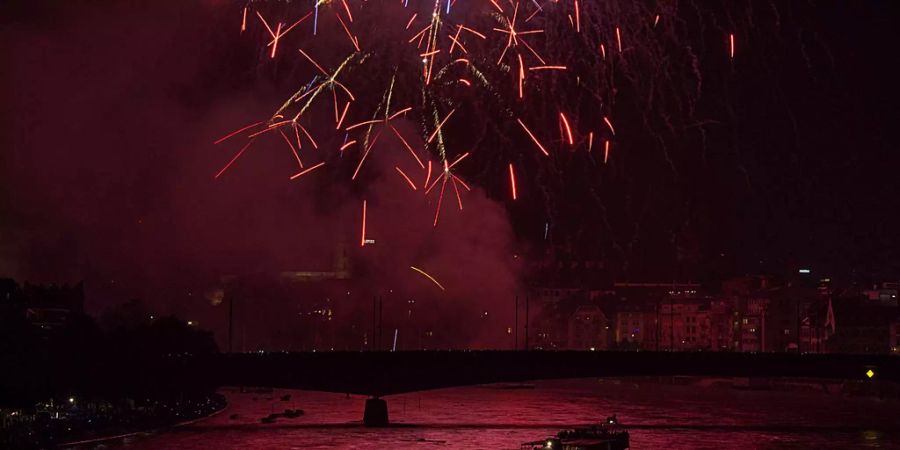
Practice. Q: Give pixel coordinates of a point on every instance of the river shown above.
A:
(671, 416)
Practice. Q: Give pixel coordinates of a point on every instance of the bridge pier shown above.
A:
(376, 413)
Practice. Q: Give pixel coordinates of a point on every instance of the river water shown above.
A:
(671, 416)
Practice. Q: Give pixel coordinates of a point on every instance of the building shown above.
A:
(684, 324)
(633, 329)
(894, 335)
(860, 327)
(884, 294)
(588, 329)
(50, 307)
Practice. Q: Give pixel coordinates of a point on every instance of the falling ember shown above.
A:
(590, 141)
(304, 172)
(235, 158)
(536, 141)
(605, 152)
(610, 125)
(428, 276)
(568, 129)
(275, 40)
(656, 21)
(438, 129)
(547, 68)
(603, 51)
(731, 42)
(427, 175)
(577, 17)
(619, 39)
(349, 143)
(236, 132)
(362, 240)
(411, 184)
(512, 181)
(244, 21)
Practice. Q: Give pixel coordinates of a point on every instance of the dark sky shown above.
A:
(109, 112)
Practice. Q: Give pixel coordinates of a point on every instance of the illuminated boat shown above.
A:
(607, 436)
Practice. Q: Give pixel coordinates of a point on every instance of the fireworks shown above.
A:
(491, 77)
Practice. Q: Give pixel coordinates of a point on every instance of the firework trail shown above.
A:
(483, 81)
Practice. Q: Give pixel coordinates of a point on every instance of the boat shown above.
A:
(605, 436)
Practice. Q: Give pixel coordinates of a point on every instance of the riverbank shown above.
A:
(80, 423)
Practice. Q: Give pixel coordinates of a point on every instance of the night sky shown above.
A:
(110, 110)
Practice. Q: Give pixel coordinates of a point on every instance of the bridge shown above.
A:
(377, 374)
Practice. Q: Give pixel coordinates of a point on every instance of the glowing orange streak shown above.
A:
(536, 55)
(603, 51)
(512, 180)
(577, 17)
(408, 147)
(436, 130)
(308, 136)
(362, 240)
(605, 152)
(565, 123)
(349, 143)
(429, 276)
(304, 172)
(341, 85)
(362, 124)
(347, 8)
(275, 41)
(421, 33)
(353, 38)
(433, 52)
(427, 175)
(473, 32)
(465, 81)
(365, 154)
(436, 180)
(463, 183)
(336, 111)
(229, 135)
(437, 212)
(460, 60)
(411, 184)
(731, 41)
(455, 43)
(536, 141)
(458, 198)
(656, 21)
(294, 150)
(271, 33)
(297, 135)
(548, 68)
(274, 126)
(610, 125)
(244, 21)
(402, 111)
(235, 158)
(408, 24)
(497, 6)
(619, 39)
(343, 115)
(281, 33)
(590, 141)
(464, 156)
(314, 62)
(521, 76)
